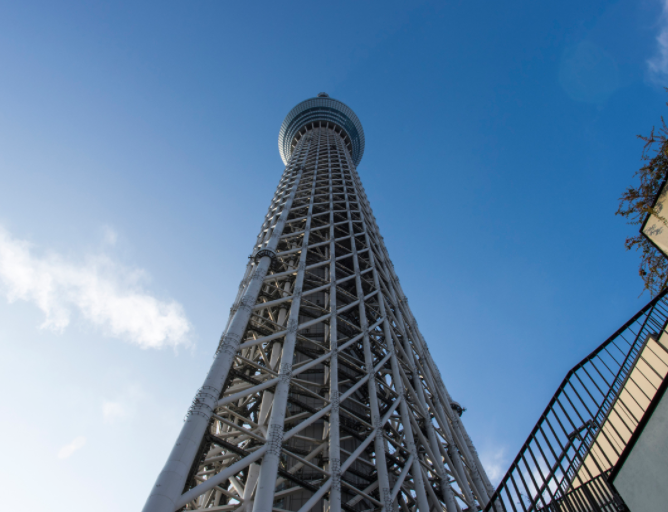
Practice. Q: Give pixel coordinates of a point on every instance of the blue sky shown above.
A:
(138, 155)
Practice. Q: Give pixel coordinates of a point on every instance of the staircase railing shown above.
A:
(587, 423)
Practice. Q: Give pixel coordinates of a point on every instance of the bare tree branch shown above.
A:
(636, 203)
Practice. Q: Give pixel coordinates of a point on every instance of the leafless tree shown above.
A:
(637, 202)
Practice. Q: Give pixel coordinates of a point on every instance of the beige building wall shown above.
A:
(656, 228)
(637, 393)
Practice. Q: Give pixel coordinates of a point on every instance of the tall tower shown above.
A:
(322, 395)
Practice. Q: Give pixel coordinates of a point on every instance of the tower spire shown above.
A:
(322, 395)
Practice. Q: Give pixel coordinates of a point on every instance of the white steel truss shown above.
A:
(322, 395)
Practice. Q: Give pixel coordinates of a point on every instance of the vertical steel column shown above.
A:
(379, 444)
(334, 427)
(401, 304)
(172, 479)
(409, 355)
(267, 480)
(416, 472)
(463, 441)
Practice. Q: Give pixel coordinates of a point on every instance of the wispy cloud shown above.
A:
(125, 403)
(109, 236)
(67, 450)
(495, 463)
(104, 292)
(658, 64)
(112, 411)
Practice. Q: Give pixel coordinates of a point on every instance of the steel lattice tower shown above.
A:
(322, 395)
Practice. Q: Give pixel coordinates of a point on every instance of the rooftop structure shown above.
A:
(321, 111)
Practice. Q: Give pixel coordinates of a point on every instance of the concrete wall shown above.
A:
(642, 480)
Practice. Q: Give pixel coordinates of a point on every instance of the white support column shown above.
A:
(171, 481)
(416, 471)
(480, 483)
(379, 443)
(266, 485)
(334, 395)
(448, 496)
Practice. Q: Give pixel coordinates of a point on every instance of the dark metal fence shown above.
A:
(590, 419)
(596, 495)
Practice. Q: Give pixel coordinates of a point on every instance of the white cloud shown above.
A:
(125, 403)
(495, 463)
(104, 292)
(72, 447)
(658, 64)
(113, 411)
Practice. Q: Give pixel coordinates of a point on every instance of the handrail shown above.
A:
(576, 439)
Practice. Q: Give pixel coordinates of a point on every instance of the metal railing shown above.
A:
(595, 495)
(589, 420)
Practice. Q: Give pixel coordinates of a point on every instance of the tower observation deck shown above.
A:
(322, 395)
